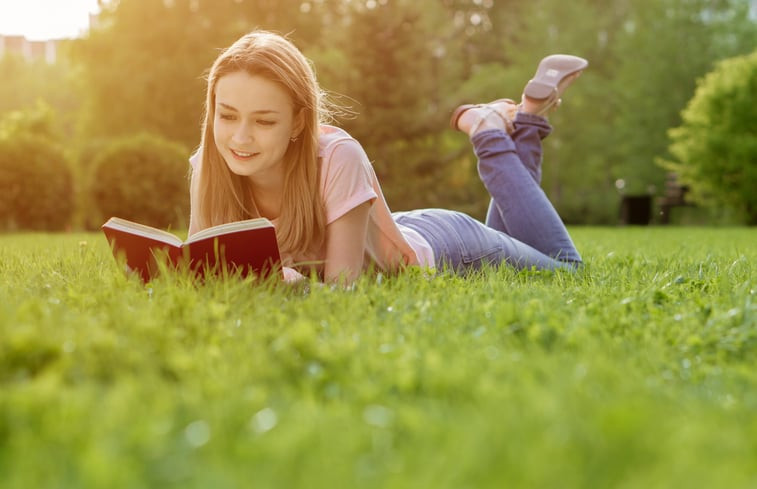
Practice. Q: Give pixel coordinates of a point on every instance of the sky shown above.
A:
(45, 19)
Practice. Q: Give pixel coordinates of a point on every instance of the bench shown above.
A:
(674, 196)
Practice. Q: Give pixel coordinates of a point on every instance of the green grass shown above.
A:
(638, 371)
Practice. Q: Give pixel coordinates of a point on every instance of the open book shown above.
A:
(248, 246)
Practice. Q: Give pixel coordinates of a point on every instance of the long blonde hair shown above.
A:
(223, 196)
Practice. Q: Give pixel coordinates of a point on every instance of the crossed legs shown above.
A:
(509, 165)
(519, 206)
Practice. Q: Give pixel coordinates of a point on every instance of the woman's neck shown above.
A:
(267, 199)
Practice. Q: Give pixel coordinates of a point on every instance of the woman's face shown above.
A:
(253, 123)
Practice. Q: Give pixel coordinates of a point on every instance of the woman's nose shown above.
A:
(243, 133)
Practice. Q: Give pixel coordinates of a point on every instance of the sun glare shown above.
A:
(45, 19)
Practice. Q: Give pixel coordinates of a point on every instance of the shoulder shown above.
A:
(342, 157)
(347, 177)
(336, 146)
(195, 160)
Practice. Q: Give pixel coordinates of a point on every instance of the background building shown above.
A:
(30, 50)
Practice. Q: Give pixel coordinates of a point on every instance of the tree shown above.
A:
(151, 78)
(661, 48)
(146, 79)
(404, 65)
(394, 66)
(39, 120)
(716, 145)
(27, 86)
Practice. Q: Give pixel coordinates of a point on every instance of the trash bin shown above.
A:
(636, 210)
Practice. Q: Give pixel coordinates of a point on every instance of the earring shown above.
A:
(293, 139)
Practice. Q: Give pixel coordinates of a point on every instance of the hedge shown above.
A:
(142, 178)
(36, 184)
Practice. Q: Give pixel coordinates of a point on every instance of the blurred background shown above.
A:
(118, 106)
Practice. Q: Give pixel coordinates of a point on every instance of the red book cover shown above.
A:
(247, 246)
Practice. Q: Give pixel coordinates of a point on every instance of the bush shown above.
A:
(142, 178)
(716, 146)
(36, 182)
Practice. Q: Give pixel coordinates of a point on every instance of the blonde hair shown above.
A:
(223, 196)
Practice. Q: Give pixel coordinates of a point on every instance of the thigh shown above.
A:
(463, 243)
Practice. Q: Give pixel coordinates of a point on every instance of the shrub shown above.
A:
(716, 146)
(142, 178)
(36, 183)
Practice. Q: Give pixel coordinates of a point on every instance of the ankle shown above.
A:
(529, 106)
(480, 119)
(485, 124)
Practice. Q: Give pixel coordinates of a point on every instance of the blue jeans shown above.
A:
(522, 227)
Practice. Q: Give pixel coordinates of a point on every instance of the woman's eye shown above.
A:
(226, 117)
(266, 122)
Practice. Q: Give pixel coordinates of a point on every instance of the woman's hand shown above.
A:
(292, 276)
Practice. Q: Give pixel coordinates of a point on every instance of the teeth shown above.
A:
(240, 153)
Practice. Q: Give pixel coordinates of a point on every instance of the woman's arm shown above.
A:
(194, 181)
(345, 245)
(193, 206)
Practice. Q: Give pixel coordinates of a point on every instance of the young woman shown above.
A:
(266, 151)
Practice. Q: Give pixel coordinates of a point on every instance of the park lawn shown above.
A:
(637, 371)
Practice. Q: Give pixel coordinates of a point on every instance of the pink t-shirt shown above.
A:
(348, 180)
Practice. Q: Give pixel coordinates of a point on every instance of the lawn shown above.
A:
(637, 371)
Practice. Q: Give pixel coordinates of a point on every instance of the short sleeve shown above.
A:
(194, 160)
(346, 179)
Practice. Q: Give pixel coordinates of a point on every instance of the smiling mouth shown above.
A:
(242, 154)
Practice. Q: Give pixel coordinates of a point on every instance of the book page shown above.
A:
(142, 230)
(228, 228)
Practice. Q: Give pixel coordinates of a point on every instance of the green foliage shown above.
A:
(716, 145)
(637, 371)
(156, 74)
(142, 178)
(38, 120)
(644, 59)
(37, 183)
(403, 66)
(397, 75)
(28, 86)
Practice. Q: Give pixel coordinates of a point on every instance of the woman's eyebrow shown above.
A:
(261, 111)
(226, 106)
